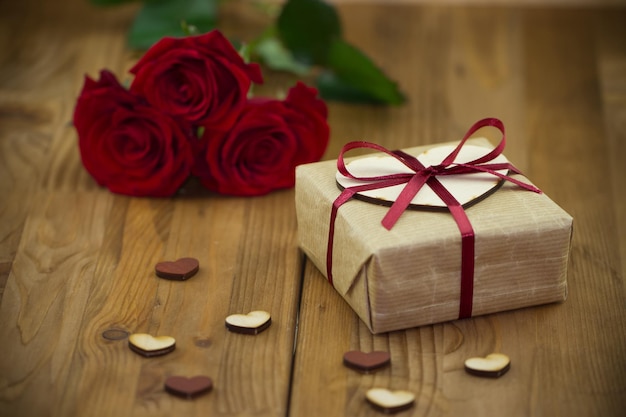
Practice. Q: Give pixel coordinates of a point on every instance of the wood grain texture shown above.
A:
(611, 44)
(76, 260)
(565, 98)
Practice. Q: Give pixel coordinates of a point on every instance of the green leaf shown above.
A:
(332, 88)
(307, 28)
(159, 18)
(276, 57)
(109, 2)
(354, 77)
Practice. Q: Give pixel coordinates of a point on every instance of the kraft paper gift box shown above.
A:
(410, 275)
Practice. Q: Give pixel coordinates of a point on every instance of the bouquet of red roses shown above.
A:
(187, 113)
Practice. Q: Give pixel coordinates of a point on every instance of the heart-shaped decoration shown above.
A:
(493, 365)
(148, 345)
(252, 323)
(465, 188)
(366, 362)
(388, 401)
(188, 387)
(179, 270)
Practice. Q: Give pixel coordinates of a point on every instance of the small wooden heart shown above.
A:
(148, 345)
(252, 323)
(366, 362)
(179, 270)
(388, 401)
(188, 387)
(493, 365)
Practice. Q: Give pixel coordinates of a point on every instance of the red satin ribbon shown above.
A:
(414, 182)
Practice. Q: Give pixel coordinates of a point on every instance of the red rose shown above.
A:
(199, 78)
(259, 154)
(127, 146)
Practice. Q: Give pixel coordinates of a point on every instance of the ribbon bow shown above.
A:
(428, 176)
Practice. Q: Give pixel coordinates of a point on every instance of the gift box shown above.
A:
(475, 238)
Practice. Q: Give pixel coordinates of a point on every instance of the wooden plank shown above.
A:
(255, 372)
(41, 72)
(611, 50)
(124, 299)
(406, 43)
(23, 153)
(485, 76)
(45, 297)
(578, 361)
(326, 331)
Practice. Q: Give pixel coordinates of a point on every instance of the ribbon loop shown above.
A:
(428, 176)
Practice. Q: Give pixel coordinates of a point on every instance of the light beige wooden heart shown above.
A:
(251, 320)
(493, 362)
(386, 399)
(149, 343)
(465, 188)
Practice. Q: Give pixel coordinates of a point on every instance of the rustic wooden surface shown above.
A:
(76, 260)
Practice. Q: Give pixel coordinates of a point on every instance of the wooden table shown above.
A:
(76, 260)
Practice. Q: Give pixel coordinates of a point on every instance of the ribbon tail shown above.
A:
(404, 199)
(493, 170)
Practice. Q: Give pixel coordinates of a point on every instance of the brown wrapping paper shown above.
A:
(410, 275)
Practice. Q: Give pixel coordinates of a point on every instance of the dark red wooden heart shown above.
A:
(180, 270)
(188, 387)
(366, 362)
